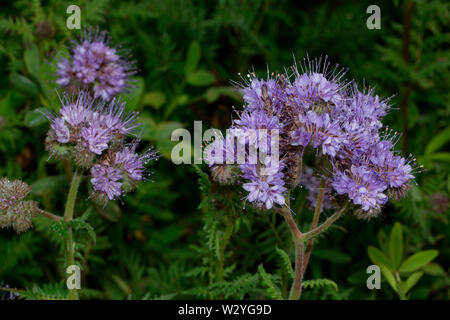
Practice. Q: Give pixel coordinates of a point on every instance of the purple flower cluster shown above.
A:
(320, 112)
(94, 65)
(93, 133)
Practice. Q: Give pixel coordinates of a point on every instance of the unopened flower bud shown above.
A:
(224, 174)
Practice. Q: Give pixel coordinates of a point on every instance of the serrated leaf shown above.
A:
(200, 78)
(285, 261)
(378, 257)
(418, 260)
(396, 245)
(272, 289)
(80, 224)
(320, 283)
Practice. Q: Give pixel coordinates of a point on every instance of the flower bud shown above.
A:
(224, 174)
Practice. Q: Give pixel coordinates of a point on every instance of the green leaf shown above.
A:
(389, 277)
(396, 245)
(154, 98)
(434, 269)
(81, 224)
(438, 141)
(440, 156)
(286, 261)
(272, 289)
(214, 93)
(32, 61)
(133, 98)
(418, 260)
(24, 84)
(35, 118)
(378, 257)
(163, 140)
(412, 280)
(48, 185)
(192, 58)
(200, 78)
(319, 283)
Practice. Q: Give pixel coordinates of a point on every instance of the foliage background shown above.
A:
(159, 243)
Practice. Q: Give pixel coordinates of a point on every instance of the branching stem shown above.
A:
(68, 216)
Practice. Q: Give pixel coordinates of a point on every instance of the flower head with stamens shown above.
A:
(93, 133)
(314, 109)
(95, 65)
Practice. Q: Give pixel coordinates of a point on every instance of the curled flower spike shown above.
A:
(14, 210)
(93, 64)
(317, 110)
(120, 171)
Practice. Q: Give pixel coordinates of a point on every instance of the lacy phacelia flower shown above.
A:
(93, 134)
(316, 109)
(94, 65)
(14, 210)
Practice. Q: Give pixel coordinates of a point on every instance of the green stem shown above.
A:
(68, 216)
(48, 215)
(314, 224)
(299, 238)
(325, 225)
(296, 289)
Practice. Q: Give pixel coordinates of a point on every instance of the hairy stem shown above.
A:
(68, 216)
(296, 289)
(48, 215)
(324, 226)
(314, 223)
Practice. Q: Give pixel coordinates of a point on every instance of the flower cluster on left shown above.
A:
(93, 134)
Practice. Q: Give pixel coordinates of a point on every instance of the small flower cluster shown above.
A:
(15, 212)
(96, 66)
(320, 112)
(93, 133)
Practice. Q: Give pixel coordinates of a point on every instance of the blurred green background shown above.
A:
(158, 243)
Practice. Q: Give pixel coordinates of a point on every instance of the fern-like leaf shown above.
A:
(320, 283)
(272, 289)
(286, 262)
